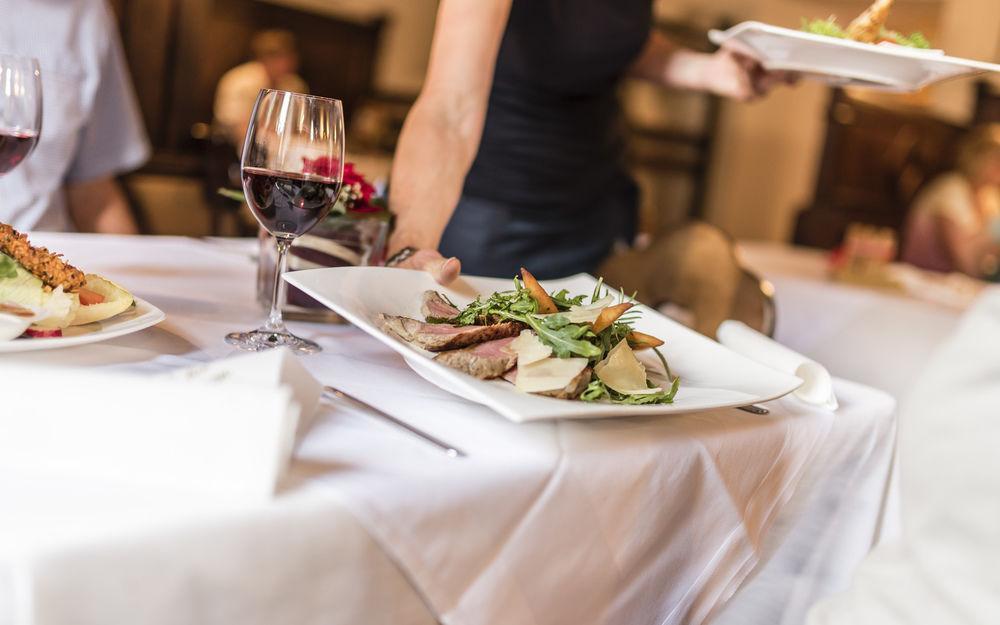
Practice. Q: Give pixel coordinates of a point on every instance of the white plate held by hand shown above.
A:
(711, 375)
(845, 63)
(138, 317)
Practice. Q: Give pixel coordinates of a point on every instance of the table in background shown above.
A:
(648, 520)
(876, 337)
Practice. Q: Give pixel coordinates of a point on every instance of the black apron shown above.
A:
(548, 189)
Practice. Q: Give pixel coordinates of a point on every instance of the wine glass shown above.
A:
(20, 109)
(292, 169)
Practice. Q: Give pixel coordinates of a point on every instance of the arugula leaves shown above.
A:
(8, 267)
(567, 339)
(598, 391)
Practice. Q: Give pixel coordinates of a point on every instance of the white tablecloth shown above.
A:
(654, 520)
(872, 336)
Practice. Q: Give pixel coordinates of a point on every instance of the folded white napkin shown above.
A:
(274, 368)
(226, 428)
(817, 385)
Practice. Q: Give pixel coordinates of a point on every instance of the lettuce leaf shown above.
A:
(22, 288)
(8, 267)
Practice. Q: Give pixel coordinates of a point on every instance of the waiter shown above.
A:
(512, 154)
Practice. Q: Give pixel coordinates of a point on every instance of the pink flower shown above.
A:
(321, 166)
(357, 195)
(353, 177)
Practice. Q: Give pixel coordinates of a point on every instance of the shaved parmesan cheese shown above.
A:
(623, 372)
(551, 374)
(587, 313)
(529, 349)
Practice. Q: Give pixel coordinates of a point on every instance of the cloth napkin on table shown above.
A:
(226, 428)
(817, 385)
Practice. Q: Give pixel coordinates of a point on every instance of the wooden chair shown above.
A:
(694, 268)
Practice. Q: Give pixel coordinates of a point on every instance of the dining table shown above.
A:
(879, 336)
(720, 516)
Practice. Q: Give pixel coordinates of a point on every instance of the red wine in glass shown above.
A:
(14, 146)
(288, 204)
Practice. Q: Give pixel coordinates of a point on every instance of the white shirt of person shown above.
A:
(237, 92)
(91, 125)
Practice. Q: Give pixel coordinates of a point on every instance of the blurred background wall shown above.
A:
(750, 168)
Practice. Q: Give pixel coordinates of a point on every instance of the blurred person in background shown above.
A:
(953, 224)
(276, 61)
(91, 126)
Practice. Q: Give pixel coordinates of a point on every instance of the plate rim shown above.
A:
(408, 352)
(719, 37)
(151, 317)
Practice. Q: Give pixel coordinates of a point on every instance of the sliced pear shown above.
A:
(116, 300)
(587, 313)
(610, 315)
(639, 340)
(545, 303)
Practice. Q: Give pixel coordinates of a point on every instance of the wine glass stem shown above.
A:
(274, 320)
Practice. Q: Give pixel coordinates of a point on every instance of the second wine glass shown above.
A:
(293, 168)
(20, 109)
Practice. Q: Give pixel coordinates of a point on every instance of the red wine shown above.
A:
(288, 204)
(14, 146)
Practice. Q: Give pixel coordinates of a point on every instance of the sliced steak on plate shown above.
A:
(572, 390)
(435, 306)
(485, 361)
(438, 337)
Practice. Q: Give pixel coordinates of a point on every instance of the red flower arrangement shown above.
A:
(357, 194)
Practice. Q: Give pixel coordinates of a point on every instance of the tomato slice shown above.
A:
(43, 333)
(88, 297)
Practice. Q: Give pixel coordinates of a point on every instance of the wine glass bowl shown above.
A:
(20, 109)
(292, 171)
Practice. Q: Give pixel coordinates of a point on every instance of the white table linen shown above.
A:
(875, 337)
(943, 569)
(651, 520)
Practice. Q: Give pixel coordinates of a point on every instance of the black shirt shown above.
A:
(552, 137)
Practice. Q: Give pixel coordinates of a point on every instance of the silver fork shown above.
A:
(449, 450)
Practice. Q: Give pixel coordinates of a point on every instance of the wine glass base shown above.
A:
(260, 340)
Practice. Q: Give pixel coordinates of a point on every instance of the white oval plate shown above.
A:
(136, 318)
(712, 376)
(845, 63)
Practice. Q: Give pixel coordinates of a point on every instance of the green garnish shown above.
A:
(827, 27)
(830, 28)
(231, 194)
(598, 391)
(8, 267)
(567, 339)
(913, 40)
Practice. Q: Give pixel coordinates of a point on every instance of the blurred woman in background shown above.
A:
(954, 224)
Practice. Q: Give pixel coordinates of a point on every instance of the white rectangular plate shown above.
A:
(711, 375)
(845, 63)
(136, 318)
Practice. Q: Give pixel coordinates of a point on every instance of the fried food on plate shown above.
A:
(36, 279)
(867, 27)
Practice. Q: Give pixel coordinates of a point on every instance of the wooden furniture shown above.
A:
(875, 160)
(671, 135)
(178, 49)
